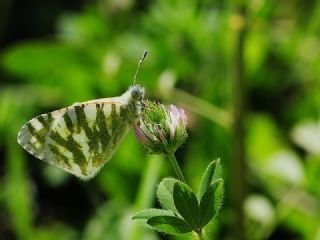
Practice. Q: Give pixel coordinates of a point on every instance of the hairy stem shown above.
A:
(176, 167)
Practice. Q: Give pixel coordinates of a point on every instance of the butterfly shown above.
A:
(81, 138)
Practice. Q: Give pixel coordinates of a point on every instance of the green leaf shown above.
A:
(152, 212)
(212, 173)
(217, 171)
(218, 197)
(169, 224)
(186, 203)
(207, 210)
(165, 193)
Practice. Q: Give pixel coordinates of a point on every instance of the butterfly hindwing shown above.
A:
(80, 138)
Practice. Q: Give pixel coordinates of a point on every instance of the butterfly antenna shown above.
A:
(145, 52)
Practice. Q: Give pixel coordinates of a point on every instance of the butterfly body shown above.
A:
(81, 138)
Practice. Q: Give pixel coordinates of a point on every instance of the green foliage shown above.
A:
(148, 213)
(169, 224)
(186, 203)
(52, 55)
(211, 175)
(218, 197)
(165, 193)
(206, 205)
(184, 212)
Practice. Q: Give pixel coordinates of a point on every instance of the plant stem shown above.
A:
(200, 237)
(17, 185)
(201, 107)
(239, 107)
(176, 167)
(146, 190)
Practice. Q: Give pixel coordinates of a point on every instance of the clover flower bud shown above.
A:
(161, 130)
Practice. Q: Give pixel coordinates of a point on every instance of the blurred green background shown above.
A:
(258, 59)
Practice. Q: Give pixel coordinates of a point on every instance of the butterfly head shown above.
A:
(137, 93)
(133, 98)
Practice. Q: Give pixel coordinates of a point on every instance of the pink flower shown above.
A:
(161, 130)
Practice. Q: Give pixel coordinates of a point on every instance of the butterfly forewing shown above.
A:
(79, 139)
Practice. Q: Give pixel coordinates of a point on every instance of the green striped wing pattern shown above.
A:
(79, 139)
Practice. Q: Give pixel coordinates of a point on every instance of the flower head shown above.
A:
(161, 130)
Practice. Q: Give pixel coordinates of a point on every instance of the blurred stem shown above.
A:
(148, 182)
(18, 192)
(294, 198)
(201, 107)
(17, 186)
(198, 6)
(147, 190)
(176, 167)
(238, 99)
(200, 236)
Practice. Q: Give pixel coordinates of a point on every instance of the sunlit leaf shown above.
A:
(169, 224)
(212, 173)
(152, 212)
(165, 193)
(218, 197)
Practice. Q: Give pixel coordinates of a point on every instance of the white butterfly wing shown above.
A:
(79, 139)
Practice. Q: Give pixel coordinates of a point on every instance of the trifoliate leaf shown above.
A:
(212, 173)
(186, 203)
(152, 212)
(217, 171)
(165, 193)
(207, 210)
(169, 224)
(218, 198)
